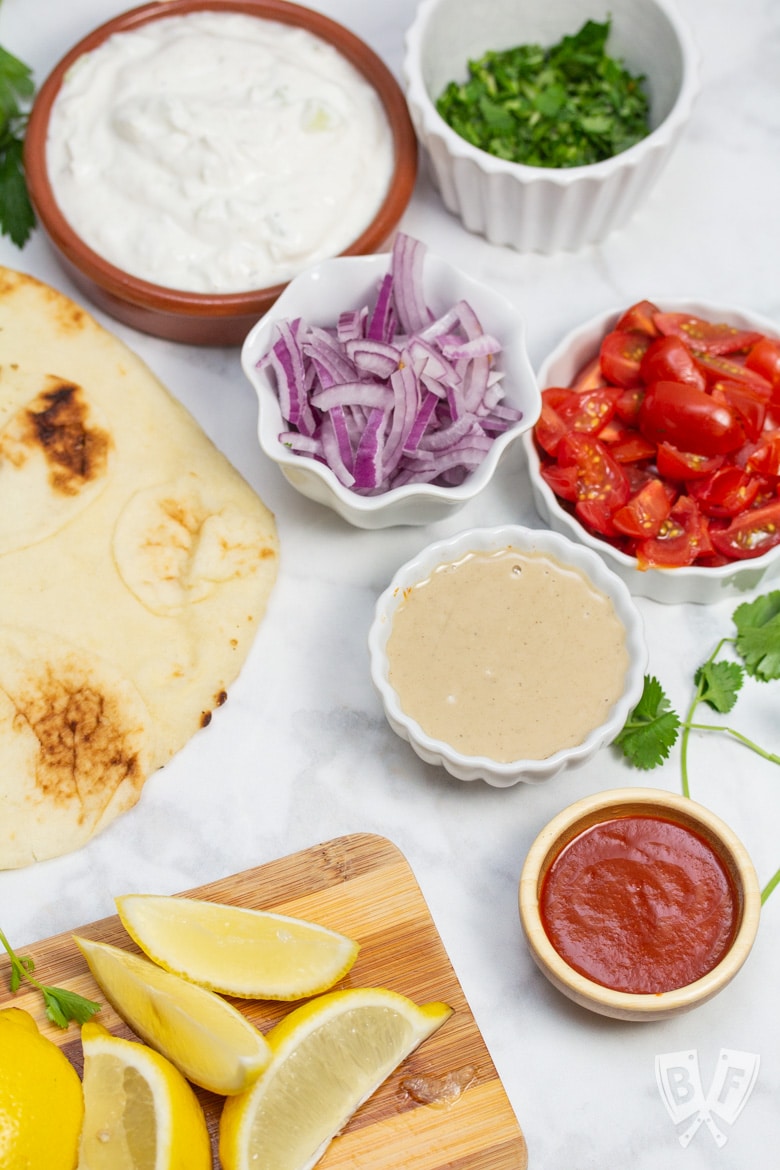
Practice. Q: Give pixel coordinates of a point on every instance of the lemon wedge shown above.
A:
(329, 1055)
(252, 954)
(210, 1041)
(139, 1111)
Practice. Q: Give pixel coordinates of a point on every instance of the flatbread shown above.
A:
(132, 553)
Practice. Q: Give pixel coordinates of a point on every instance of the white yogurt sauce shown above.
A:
(218, 152)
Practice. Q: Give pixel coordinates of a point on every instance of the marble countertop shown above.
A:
(301, 752)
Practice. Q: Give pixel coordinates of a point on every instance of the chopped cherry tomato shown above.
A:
(765, 459)
(750, 534)
(726, 492)
(589, 410)
(550, 429)
(621, 356)
(669, 360)
(628, 404)
(562, 480)
(684, 465)
(716, 368)
(750, 406)
(589, 377)
(676, 413)
(640, 318)
(645, 512)
(681, 540)
(764, 359)
(600, 478)
(706, 336)
(625, 443)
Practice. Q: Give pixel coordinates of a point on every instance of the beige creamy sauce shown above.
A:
(507, 655)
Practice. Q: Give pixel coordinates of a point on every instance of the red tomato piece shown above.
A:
(765, 459)
(639, 318)
(645, 512)
(764, 359)
(682, 539)
(669, 360)
(621, 356)
(549, 429)
(599, 476)
(684, 465)
(706, 336)
(628, 404)
(589, 377)
(562, 480)
(717, 369)
(750, 406)
(589, 410)
(750, 534)
(626, 444)
(726, 492)
(690, 419)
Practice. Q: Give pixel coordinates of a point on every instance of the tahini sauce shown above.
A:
(218, 152)
(507, 654)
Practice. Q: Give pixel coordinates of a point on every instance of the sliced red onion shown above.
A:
(392, 394)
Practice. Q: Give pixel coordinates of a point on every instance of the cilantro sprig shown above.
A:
(17, 89)
(564, 106)
(62, 1005)
(653, 727)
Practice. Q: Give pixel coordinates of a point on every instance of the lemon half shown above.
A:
(208, 1039)
(41, 1103)
(140, 1113)
(329, 1055)
(253, 954)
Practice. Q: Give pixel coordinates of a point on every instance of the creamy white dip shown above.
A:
(217, 152)
(507, 654)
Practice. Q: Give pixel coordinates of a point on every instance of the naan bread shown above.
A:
(135, 563)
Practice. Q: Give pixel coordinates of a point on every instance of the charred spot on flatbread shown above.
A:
(75, 451)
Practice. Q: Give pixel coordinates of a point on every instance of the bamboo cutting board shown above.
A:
(362, 886)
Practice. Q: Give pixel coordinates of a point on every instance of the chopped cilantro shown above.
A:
(17, 218)
(565, 106)
(652, 727)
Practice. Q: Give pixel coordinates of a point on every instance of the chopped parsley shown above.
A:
(565, 106)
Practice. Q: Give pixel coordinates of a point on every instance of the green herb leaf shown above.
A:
(719, 683)
(651, 730)
(758, 635)
(17, 218)
(568, 105)
(62, 1005)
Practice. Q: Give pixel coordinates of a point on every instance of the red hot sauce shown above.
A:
(639, 904)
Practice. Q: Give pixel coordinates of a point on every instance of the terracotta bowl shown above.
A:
(190, 317)
(580, 816)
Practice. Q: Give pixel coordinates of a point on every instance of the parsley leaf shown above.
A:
(758, 635)
(62, 1005)
(17, 218)
(652, 728)
(567, 105)
(719, 684)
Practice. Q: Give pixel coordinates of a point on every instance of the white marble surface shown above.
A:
(300, 753)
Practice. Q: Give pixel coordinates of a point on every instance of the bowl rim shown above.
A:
(458, 147)
(156, 297)
(360, 504)
(591, 331)
(620, 801)
(486, 538)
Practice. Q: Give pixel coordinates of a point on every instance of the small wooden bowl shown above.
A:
(191, 317)
(604, 806)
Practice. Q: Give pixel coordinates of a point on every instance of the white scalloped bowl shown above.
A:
(346, 282)
(538, 208)
(676, 586)
(500, 774)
